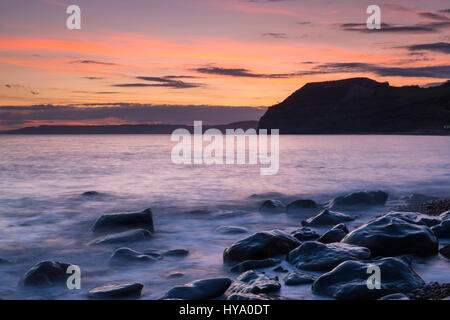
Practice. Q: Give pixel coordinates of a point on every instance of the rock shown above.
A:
(395, 296)
(445, 216)
(126, 236)
(91, 194)
(300, 205)
(124, 221)
(46, 273)
(296, 278)
(416, 218)
(260, 246)
(156, 254)
(176, 275)
(327, 217)
(3, 261)
(445, 251)
(251, 283)
(231, 230)
(127, 255)
(442, 230)
(272, 206)
(431, 291)
(418, 198)
(280, 269)
(390, 236)
(199, 290)
(336, 234)
(116, 291)
(176, 253)
(305, 234)
(360, 199)
(255, 264)
(316, 256)
(348, 281)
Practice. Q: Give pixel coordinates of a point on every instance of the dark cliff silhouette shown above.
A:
(361, 105)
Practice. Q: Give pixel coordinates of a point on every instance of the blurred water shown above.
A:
(44, 216)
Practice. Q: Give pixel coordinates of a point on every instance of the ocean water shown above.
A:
(43, 215)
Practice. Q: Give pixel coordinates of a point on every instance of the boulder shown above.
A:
(280, 269)
(445, 251)
(46, 273)
(390, 236)
(91, 194)
(349, 280)
(124, 221)
(327, 217)
(179, 253)
(3, 261)
(360, 200)
(255, 264)
(336, 234)
(127, 255)
(251, 283)
(416, 198)
(260, 246)
(231, 230)
(272, 206)
(116, 291)
(395, 296)
(416, 218)
(316, 256)
(296, 278)
(199, 290)
(305, 234)
(445, 216)
(442, 230)
(123, 237)
(301, 205)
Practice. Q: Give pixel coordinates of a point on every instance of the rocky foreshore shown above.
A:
(335, 263)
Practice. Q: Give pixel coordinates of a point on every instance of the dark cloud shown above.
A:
(93, 62)
(442, 47)
(424, 28)
(240, 72)
(445, 11)
(93, 78)
(434, 16)
(18, 116)
(165, 82)
(275, 35)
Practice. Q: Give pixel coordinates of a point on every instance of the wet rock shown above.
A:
(117, 291)
(316, 256)
(360, 199)
(199, 290)
(418, 198)
(3, 261)
(445, 216)
(327, 217)
(255, 264)
(390, 236)
(179, 253)
(348, 281)
(301, 205)
(231, 230)
(176, 275)
(153, 253)
(416, 218)
(127, 255)
(296, 278)
(442, 230)
(272, 206)
(445, 251)
(123, 237)
(395, 296)
(431, 291)
(251, 283)
(280, 269)
(336, 234)
(91, 194)
(46, 273)
(305, 234)
(124, 221)
(260, 246)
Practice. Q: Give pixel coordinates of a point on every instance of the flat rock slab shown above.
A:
(178, 253)
(260, 246)
(251, 284)
(316, 256)
(199, 290)
(124, 221)
(255, 264)
(127, 255)
(231, 230)
(395, 296)
(124, 237)
(117, 291)
(326, 218)
(348, 281)
(391, 236)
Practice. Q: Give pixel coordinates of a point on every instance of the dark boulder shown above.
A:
(418, 198)
(305, 234)
(272, 206)
(199, 290)
(336, 234)
(349, 280)
(91, 194)
(316, 256)
(251, 283)
(124, 221)
(280, 269)
(296, 278)
(124, 237)
(260, 246)
(359, 200)
(46, 273)
(116, 291)
(416, 218)
(445, 216)
(231, 230)
(255, 264)
(445, 251)
(395, 296)
(301, 205)
(390, 236)
(127, 255)
(178, 253)
(327, 217)
(442, 230)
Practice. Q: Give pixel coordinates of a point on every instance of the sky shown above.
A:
(141, 54)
